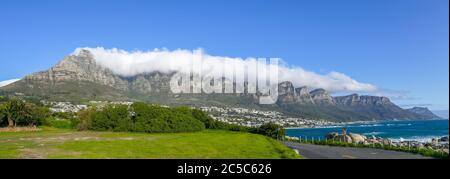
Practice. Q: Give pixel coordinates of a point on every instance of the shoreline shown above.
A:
(395, 131)
(342, 124)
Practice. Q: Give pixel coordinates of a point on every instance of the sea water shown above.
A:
(418, 130)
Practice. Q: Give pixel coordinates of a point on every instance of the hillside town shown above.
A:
(73, 108)
(240, 116)
(254, 118)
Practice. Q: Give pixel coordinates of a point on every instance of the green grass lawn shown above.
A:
(209, 144)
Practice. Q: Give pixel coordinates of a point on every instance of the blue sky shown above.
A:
(398, 45)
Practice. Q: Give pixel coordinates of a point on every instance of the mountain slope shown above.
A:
(424, 112)
(320, 104)
(444, 114)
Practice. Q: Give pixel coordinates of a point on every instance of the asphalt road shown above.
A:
(328, 152)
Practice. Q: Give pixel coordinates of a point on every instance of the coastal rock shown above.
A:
(342, 138)
(387, 142)
(357, 138)
(345, 138)
(331, 135)
(443, 139)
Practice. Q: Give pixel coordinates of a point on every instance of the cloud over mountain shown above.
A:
(7, 82)
(127, 63)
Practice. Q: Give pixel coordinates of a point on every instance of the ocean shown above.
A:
(419, 130)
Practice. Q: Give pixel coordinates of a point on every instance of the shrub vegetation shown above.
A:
(139, 117)
(16, 112)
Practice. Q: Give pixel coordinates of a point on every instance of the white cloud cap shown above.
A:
(7, 82)
(132, 63)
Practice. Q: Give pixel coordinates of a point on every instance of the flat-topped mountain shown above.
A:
(79, 78)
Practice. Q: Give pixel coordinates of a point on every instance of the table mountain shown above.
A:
(79, 78)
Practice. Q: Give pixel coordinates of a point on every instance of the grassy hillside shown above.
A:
(209, 144)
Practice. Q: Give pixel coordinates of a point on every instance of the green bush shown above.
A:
(142, 117)
(203, 117)
(83, 120)
(16, 112)
(157, 119)
(2, 115)
(38, 115)
(272, 130)
(64, 115)
(139, 117)
(111, 118)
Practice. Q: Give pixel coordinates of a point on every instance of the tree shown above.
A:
(3, 99)
(17, 111)
(2, 115)
(38, 115)
(83, 120)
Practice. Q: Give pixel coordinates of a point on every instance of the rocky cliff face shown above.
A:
(352, 107)
(320, 96)
(286, 93)
(78, 77)
(355, 100)
(303, 96)
(82, 67)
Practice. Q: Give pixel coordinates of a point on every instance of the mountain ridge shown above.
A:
(424, 111)
(79, 77)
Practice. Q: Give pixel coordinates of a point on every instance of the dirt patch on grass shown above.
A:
(69, 136)
(20, 129)
(43, 152)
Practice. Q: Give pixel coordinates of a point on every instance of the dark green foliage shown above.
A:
(3, 99)
(2, 114)
(209, 122)
(83, 120)
(16, 112)
(140, 117)
(38, 116)
(112, 118)
(64, 115)
(272, 130)
(153, 118)
(60, 120)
